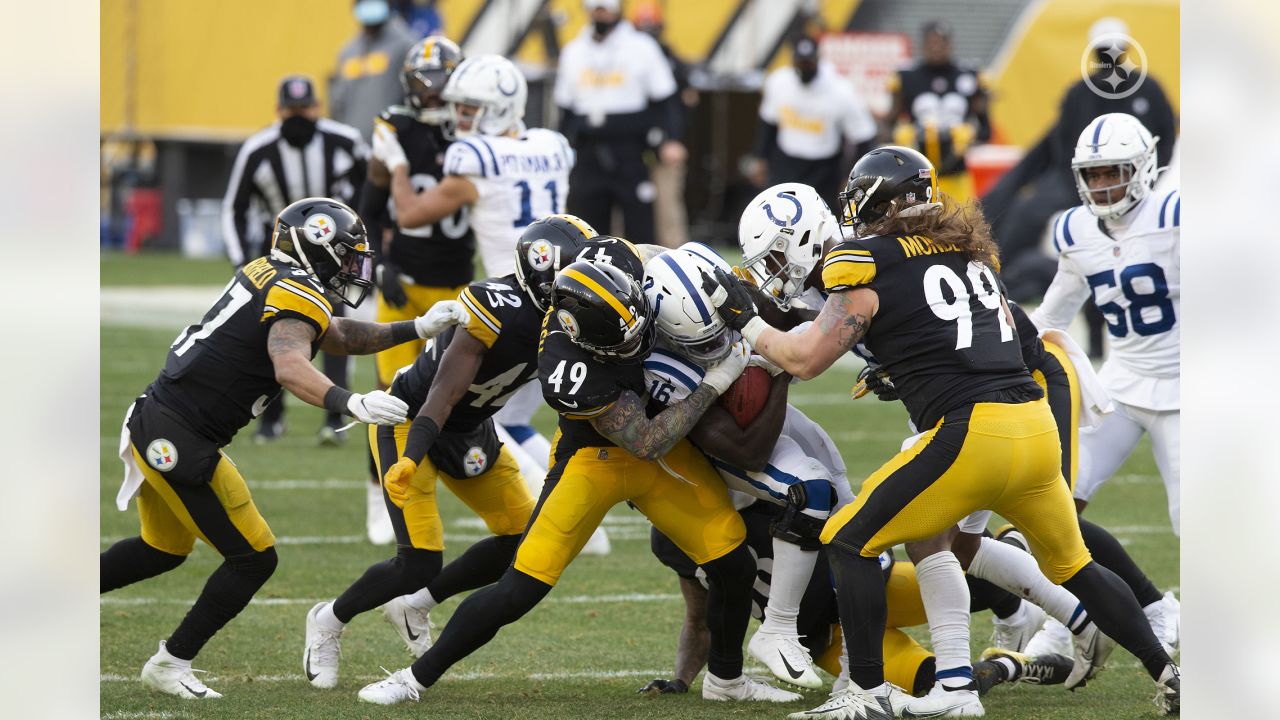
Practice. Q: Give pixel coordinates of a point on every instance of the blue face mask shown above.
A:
(372, 12)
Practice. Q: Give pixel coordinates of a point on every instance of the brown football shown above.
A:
(747, 395)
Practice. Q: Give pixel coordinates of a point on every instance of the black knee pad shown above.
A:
(794, 526)
(255, 567)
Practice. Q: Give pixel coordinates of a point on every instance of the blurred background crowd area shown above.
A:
(183, 84)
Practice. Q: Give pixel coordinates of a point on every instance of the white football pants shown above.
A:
(1105, 448)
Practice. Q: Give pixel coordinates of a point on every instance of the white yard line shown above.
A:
(456, 677)
(567, 599)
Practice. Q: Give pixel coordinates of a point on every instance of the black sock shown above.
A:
(477, 620)
(131, 560)
(408, 572)
(482, 564)
(863, 611)
(987, 596)
(729, 581)
(1110, 554)
(227, 592)
(1116, 612)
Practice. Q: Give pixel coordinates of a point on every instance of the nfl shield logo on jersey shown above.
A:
(162, 455)
(475, 461)
(540, 254)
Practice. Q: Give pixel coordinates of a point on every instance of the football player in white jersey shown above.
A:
(509, 176)
(1120, 249)
(802, 472)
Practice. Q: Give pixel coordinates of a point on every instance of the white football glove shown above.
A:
(721, 375)
(441, 317)
(386, 146)
(768, 365)
(378, 408)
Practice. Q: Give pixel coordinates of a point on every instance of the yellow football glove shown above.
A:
(398, 478)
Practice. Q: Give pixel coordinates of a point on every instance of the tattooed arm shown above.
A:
(844, 320)
(625, 422)
(357, 337)
(289, 345)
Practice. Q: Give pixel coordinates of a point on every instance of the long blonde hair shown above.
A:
(961, 224)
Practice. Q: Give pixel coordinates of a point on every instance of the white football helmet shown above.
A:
(782, 233)
(495, 86)
(1121, 140)
(687, 319)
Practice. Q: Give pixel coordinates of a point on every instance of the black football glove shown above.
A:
(390, 287)
(659, 686)
(875, 380)
(730, 297)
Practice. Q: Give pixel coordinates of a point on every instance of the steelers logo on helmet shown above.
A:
(162, 455)
(541, 254)
(474, 461)
(319, 228)
(568, 322)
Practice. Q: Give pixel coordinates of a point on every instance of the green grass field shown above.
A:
(609, 626)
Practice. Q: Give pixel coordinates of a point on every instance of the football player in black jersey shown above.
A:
(452, 391)
(259, 336)
(917, 283)
(609, 450)
(419, 266)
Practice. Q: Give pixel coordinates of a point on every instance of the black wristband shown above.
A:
(403, 331)
(335, 400)
(422, 435)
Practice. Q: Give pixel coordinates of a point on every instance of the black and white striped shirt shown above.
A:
(271, 173)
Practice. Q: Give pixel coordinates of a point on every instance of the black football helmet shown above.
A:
(544, 247)
(891, 180)
(328, 239)
(426, 70)
(615, 251)
(603, 310)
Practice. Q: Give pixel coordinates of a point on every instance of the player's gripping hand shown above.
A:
(765, 364)
(731, 299)
(721, 375)
(386, 145)
(873, 379)
(658, 686)
(389, 285)
(378, 408)
(397, 479)
(441, 317)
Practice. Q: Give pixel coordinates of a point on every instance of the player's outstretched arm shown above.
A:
(359, 337)
(289, 346)
(749, 448)
(457, 371)
(1062, 301)
(432, 205)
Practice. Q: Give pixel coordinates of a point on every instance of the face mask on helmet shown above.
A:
(355, 274)
(708, 350)
(776, 276)
(423, 94)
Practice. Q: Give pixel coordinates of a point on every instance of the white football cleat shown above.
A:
(785, 657)
(412, 625)
(1015, 632)
(399, 686)
(941, 702)
(376, 520)
(1053, 639)
(171, 676)
(852, 703)
(744, 689)
(322, 650)
(598, 544)
(1169, 691)
(1091, 648)
(1165, 617)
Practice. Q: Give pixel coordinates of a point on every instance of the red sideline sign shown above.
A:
(868, 59)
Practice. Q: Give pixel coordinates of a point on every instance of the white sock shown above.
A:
(421, 600)
(946, 603)
(1016, 571)
(326, 617)
(792, 568)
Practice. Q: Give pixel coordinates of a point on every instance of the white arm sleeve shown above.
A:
(1063, 299)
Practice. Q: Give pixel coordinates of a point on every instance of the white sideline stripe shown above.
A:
(129, 715)
(624, 534)
(569, 599)
(463, 677)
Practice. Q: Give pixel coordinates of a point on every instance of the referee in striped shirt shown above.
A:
(300, 155)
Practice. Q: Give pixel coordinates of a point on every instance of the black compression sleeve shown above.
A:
(422, 435)
(335, 400)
